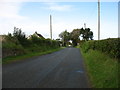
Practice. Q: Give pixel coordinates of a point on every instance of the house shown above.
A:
(39, 35)
(36, 34)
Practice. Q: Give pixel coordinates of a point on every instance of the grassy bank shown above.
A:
(17, 43)
(17, 46)
(102, 69)
(11, 59)
(109, 46)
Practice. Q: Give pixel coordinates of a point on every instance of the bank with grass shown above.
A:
(11, 59)
(17, 46)
(101, 61)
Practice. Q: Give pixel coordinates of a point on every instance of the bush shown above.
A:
(18, 44)
(110, 46)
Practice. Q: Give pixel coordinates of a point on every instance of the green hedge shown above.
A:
(110, 46)
(35, 44)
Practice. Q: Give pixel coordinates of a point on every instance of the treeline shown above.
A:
(74, 36)
(110, 46)
(17, 43)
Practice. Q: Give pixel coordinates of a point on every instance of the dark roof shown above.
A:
(39, 35)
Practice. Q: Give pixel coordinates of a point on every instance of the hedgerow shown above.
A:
(110, 46)
(17, 43)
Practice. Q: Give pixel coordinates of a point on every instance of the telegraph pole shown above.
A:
(84, 25)
(98, 19)
(51, 27)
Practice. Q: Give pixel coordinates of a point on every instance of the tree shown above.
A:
(18, 34)
(65, 36)
(91, 35)
(74, 36)
(86, 34)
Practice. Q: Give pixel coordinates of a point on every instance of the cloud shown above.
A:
(9, 16)
(60, 8)
(56, 7)
(10, 10)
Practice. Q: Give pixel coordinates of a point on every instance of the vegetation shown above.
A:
(74, 36)
(101, 59)
(108, 46)
(102, 70)
(10, 59)
(65, 37)
(18, 44)
(86, 34)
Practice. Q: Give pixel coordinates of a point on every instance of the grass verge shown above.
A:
(11, 59)
(102, 70)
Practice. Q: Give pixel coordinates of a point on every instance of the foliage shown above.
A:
(65, 37)
(101, 69)
(20, 36)
(11, 59)
(19, 42)
(75, 36)
(12, 44)
(86, 34)
(109, 46)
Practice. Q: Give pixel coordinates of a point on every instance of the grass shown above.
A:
(11, 59)
(102, 70)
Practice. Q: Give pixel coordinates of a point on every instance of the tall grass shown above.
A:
(102, 69)
(18, 46)
(11, 59)
(109, 46)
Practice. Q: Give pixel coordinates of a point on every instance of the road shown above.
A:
(61, 69)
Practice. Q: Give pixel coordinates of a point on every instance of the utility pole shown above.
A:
(118, 19)
(98, 19)
(51, 27)
(84, 25)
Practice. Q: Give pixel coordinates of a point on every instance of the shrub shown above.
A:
(17, 43)
(110, 46)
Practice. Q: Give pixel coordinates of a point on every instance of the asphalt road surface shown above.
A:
(61, 69)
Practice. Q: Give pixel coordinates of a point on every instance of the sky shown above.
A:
(34, 16)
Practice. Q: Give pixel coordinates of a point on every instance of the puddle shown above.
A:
(80, 71)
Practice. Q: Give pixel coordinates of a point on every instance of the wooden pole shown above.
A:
(51, 27)
(98, 19)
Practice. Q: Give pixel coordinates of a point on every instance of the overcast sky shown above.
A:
(34, 16)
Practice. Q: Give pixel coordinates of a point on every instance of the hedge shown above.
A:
(110, 46)
(11, 46)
